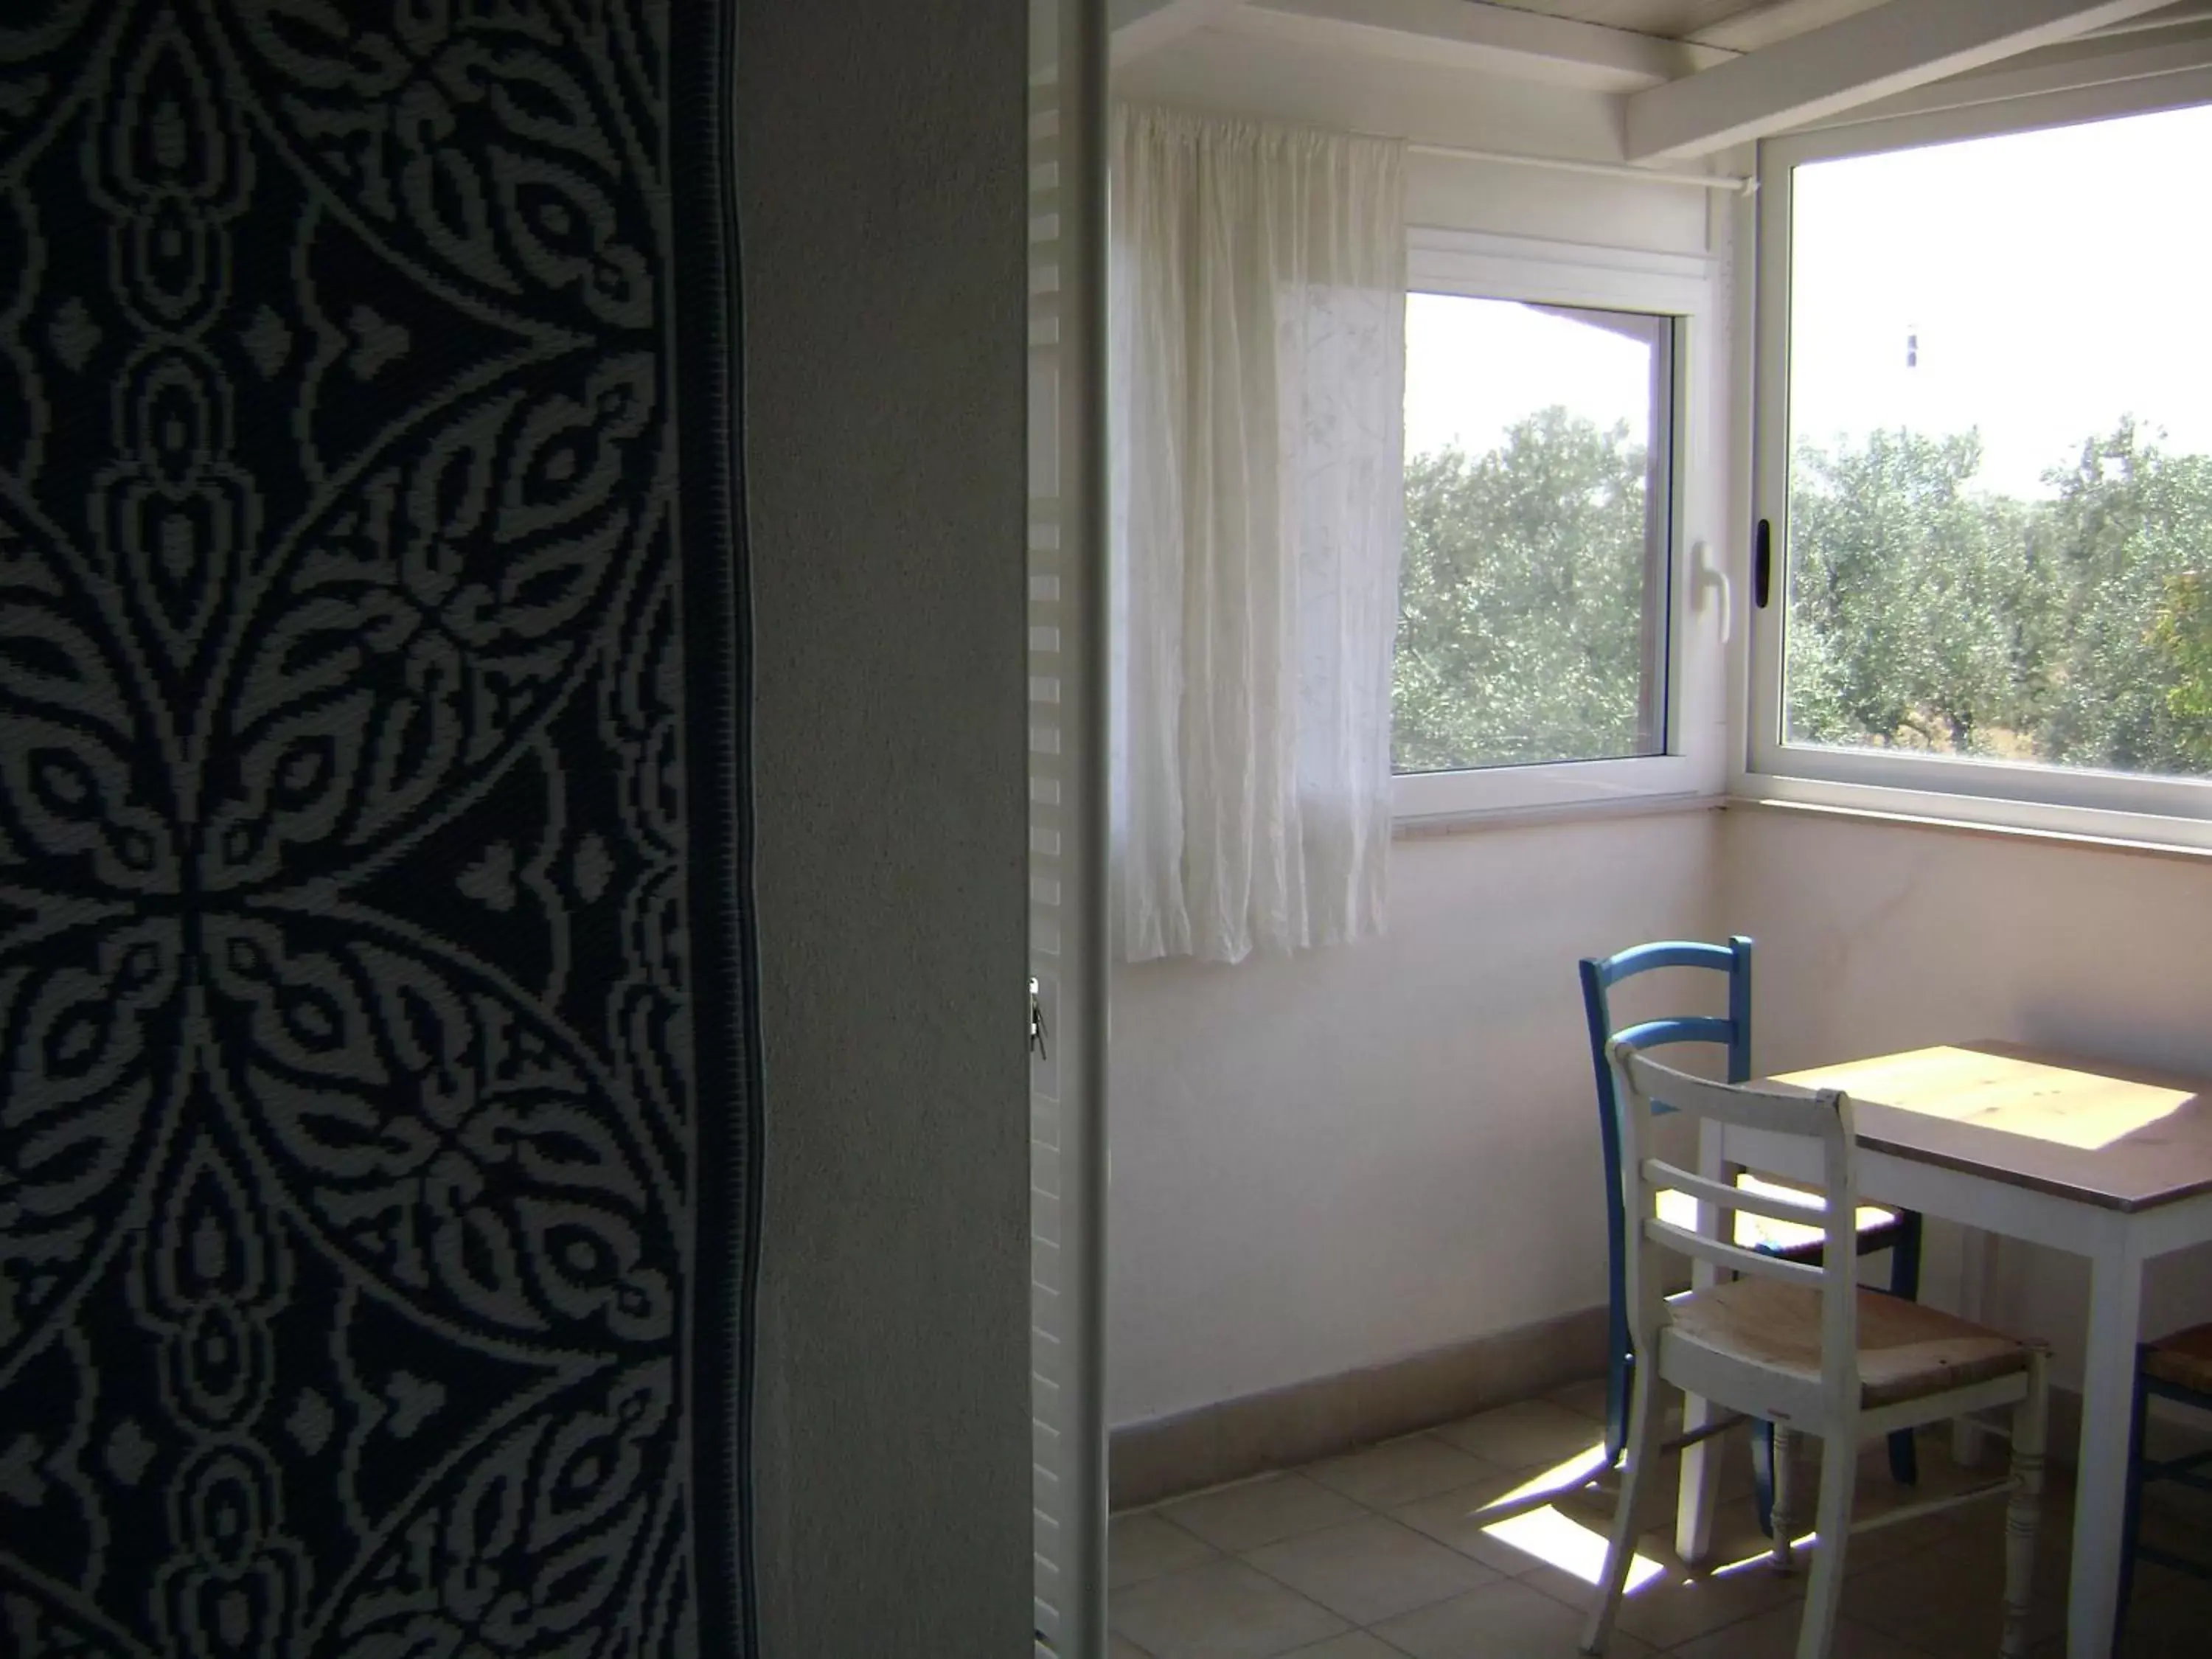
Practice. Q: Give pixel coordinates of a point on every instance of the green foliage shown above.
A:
(1925, 612)
(1904, 591)
(2183, 636)
(2130, 519)
(1520, 634)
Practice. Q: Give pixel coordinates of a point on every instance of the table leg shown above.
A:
(2107, 1392)
(1977, 1263)
(1701, 1463)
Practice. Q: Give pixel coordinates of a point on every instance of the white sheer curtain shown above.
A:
(1258, 406)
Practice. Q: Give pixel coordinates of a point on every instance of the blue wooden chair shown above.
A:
(1897, 1231)
(2177, 1367)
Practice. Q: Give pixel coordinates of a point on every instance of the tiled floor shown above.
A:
(1371, 1557)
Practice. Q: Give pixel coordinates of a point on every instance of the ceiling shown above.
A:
(1738, 25)
(1744, 25)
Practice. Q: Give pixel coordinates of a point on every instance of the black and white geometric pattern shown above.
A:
(366, 652)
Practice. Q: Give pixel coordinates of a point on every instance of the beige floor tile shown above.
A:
(1399, 1470)
(1868, 1550)
(1371, 1569)
(1254, 1513)
(1736, 1536)
(1144, 1545)
(1533, 1435)
(2183, 1505)
(1736, 1517)
(1584, 1399)
(1358, 1644)
(1679, 1605)
(1737, 1539)
(2170, 1624)
(1946, 1605)
(1733, 1449)
(1225, 1610)
(1120, 1647)
(1505, 1620)
(1974, 1534)
(1317, 1557)
(1448, 1518)
(1774, 1636)
(1878, 1491)
(2151, 1579)
(2164, 1529)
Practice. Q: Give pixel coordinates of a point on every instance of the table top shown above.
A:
(2106, 1134)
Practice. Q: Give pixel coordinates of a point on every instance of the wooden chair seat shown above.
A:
(2184, 1360)
(1760, 1232)
(1906, 1351)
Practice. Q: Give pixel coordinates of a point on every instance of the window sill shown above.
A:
(2140, 846)
(1433, 825)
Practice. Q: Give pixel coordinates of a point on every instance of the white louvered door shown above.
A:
(1067, 855)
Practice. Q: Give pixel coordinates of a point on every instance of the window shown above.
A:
(1533, 599)
(1985, 466)
(1539, 654)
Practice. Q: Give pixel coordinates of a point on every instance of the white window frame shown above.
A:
(2060, 800)
(1481, 266)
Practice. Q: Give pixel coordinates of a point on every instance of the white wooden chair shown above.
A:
(1804, 1346)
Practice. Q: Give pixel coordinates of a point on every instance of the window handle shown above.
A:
(1706, 572)
(1762, 565)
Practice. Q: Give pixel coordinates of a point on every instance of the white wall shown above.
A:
(1874, 936)
(1353, 1156)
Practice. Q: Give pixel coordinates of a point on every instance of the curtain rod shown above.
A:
(1602, 169)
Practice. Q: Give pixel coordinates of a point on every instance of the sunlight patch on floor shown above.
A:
(1559, 1539)
(1765, 1557)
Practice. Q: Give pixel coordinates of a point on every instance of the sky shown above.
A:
(2054, 281)
(1474, 367)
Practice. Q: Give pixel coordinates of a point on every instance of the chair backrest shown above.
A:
(1733, 1032)
(1641, 1085)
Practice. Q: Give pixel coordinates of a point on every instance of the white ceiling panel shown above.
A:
(1739, 25)
(1742, 25)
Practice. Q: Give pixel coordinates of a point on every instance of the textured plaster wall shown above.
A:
(1336, 1160)
(881, 173)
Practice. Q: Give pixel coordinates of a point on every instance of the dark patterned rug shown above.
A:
(376, 1071)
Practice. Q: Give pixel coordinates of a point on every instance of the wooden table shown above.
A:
(2107, 1161)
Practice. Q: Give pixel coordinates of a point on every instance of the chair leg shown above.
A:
(1904, 1258)
(1824, 1595)
(1619, 1377)
(1642, 1455)
(1784, 1514)
(1762, 1473)
(2131, 1516)
(1904, 1459)
(2031, 1426)
(1904, 1281)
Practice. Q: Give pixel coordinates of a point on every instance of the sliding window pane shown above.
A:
(1532, 622)
(1999, 537)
